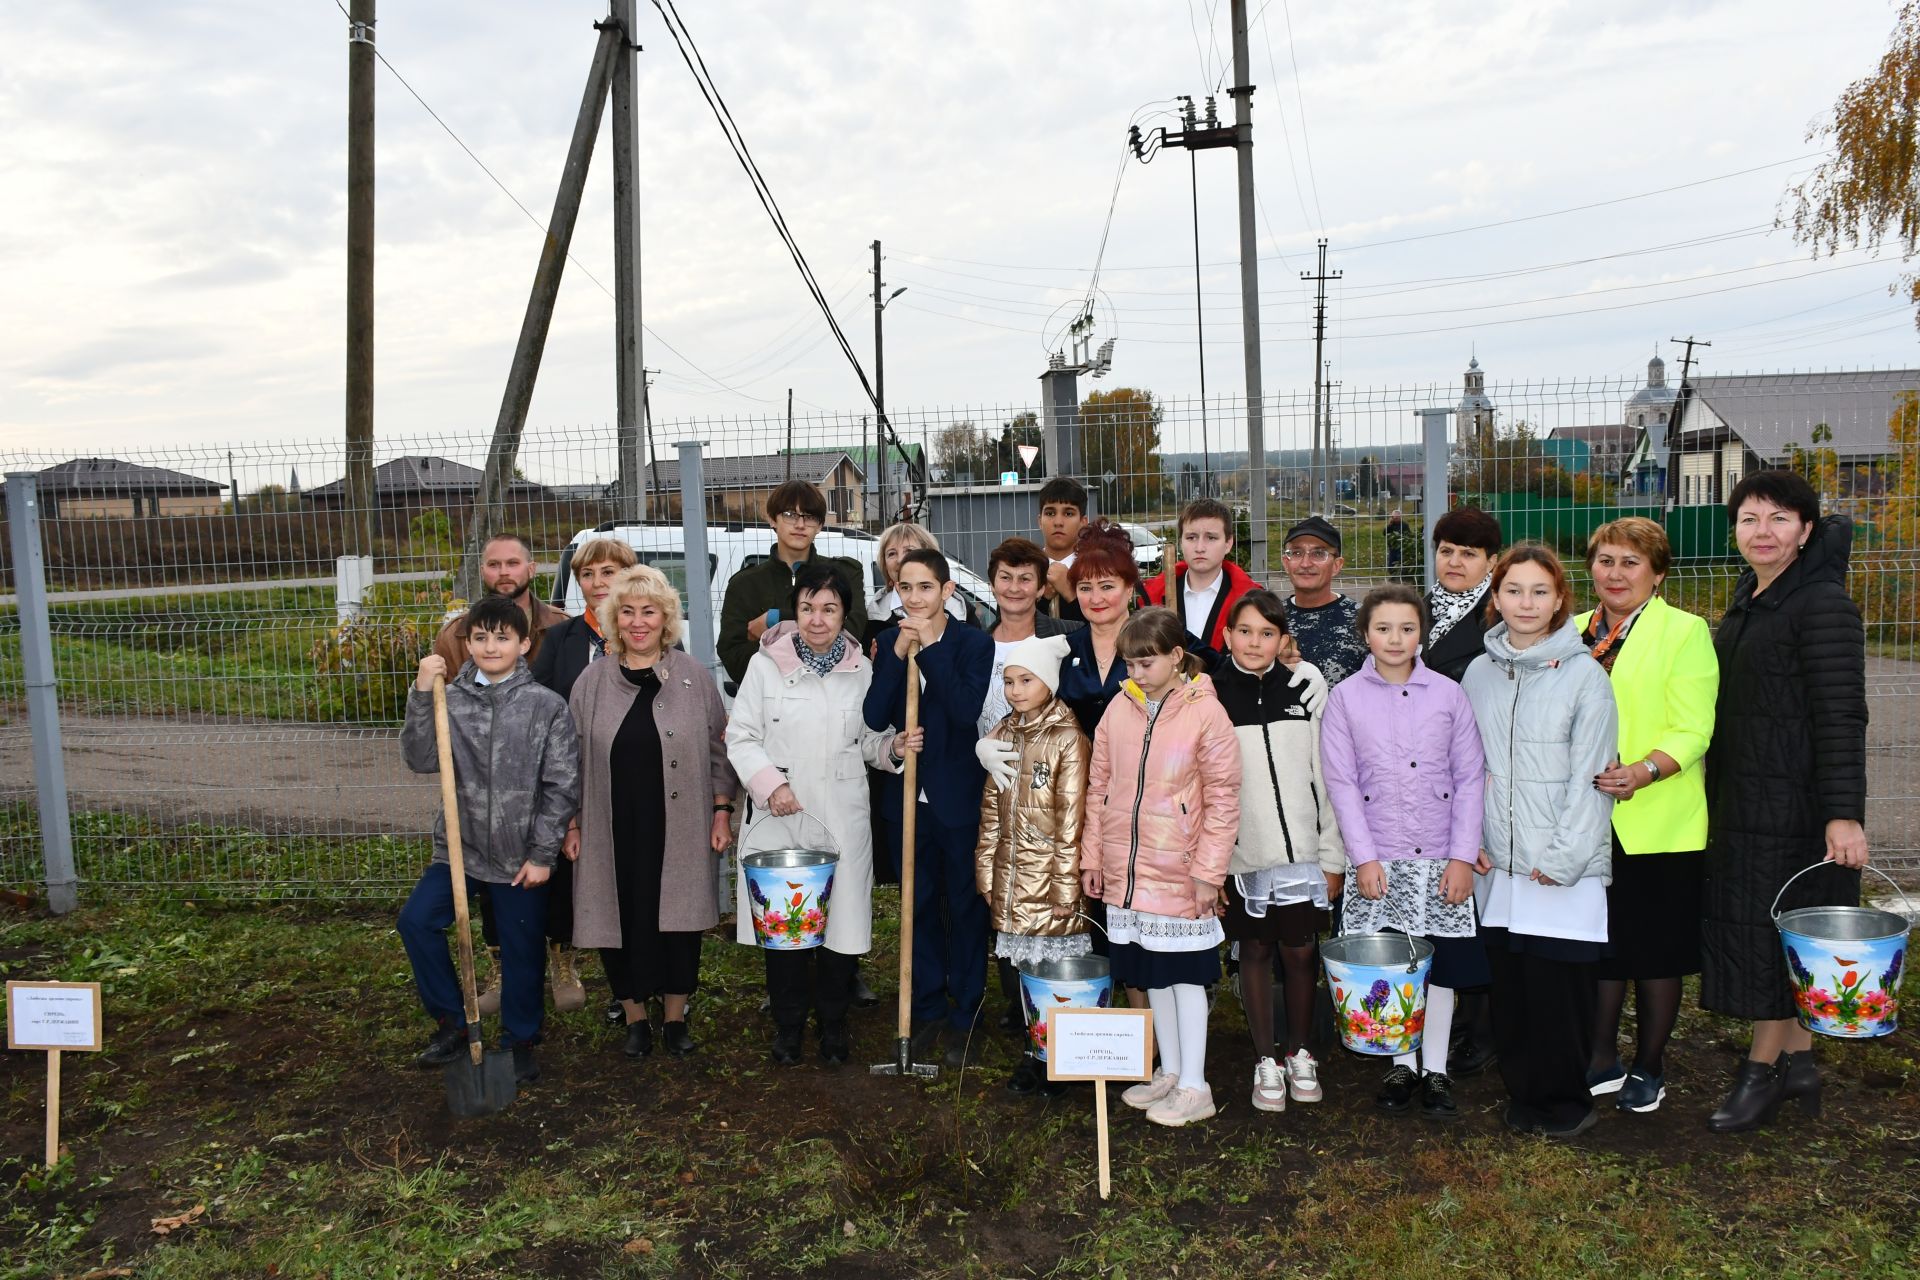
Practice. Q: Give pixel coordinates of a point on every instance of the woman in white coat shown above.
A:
(799, 741)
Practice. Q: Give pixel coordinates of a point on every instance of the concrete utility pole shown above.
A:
(1315, 476)
(883, 430)
(359, 454)
(630, 376)
(1242, 95)
(514, 402)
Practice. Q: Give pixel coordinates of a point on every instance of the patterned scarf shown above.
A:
(821, 663)
(1604, 639)
(1448, 607)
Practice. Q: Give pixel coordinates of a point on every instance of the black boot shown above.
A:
(1756, 1097)
(1013, 1019)
(1800, 1080)
(786, 1045)
(449, 1044)
(639, 1042)
(1027, 1075)
(835, 1047)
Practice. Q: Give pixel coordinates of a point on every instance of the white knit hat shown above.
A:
(1042, 656)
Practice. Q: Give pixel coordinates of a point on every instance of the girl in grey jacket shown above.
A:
(1548, 726)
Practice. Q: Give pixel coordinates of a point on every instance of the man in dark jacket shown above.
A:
(506, 569)
(949, 916)
(796, 510)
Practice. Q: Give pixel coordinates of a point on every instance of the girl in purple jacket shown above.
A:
(1405, 771)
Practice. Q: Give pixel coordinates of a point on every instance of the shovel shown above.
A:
(484, 1084)
(903, 1063)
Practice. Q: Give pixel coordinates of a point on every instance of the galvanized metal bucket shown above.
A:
(1379, 983)
(1845, 964)
(788, 889)
(1074, 982)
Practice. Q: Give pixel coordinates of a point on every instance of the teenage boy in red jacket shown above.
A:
(1206, 582)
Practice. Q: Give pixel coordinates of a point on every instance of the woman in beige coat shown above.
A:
(655, 807)
(1027, 863)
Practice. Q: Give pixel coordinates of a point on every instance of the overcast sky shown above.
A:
(174, 250)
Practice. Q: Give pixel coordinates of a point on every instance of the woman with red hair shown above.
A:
(1105, 581)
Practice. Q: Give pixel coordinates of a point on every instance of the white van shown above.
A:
(733, 547)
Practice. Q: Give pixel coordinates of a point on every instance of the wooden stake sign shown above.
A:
(53, 1016)
(1100, 1045)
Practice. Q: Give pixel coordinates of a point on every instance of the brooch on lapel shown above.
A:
(1042, 775)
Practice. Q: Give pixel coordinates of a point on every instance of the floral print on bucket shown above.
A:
(789, 901)
(1851, 993)
(1380, 1009)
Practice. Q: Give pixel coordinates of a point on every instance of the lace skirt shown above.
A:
(1412, 903)
(1150, 951)
(1024, 949)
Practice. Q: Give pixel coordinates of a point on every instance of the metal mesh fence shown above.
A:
(227, 732)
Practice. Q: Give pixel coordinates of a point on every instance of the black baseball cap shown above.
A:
(1315, 527)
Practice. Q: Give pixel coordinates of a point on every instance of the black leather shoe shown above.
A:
(786, 1047)
(925, 1045)
(615, 1014)
(639, 1039)
(1800, 1080)
(1396, 1090)
(448, 1043)
(863, 996)
(835, 1046)
(676, 1039)
(1468, 1057)
(964, 1048)
(525, 1069)
(1027, 1076)
(1436, 1098)
(1756, 1097)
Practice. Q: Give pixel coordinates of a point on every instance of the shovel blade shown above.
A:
(481, 1090)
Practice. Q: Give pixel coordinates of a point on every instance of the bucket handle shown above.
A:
(1774, 912)
(746, 844)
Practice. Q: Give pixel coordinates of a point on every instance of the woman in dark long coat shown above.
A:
(1786, 777)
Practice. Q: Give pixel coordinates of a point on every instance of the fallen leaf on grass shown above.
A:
(848, 1229)
(686, 1179)
(169, 1225)
(639, 1245)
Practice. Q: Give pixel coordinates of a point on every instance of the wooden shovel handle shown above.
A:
(456, 862)
(909, 804)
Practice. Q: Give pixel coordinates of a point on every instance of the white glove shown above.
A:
(1312, 686)
(997, 756)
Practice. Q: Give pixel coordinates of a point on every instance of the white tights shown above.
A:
(1180, 1031)
(1439, 1030)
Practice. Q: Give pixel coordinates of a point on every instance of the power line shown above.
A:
(1299, 97)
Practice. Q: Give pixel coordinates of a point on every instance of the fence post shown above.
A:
(1433, 482)
(693, 533)
(43, 704)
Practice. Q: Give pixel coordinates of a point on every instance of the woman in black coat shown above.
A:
(1786, 776)
(1466, 542)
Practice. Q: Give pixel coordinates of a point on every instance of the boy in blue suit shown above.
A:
(949, 915)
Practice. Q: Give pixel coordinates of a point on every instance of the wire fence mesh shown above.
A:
(227, 732)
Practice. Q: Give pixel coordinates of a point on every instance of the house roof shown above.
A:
(112, 475)
(1768, 412)
(421, 474)
(1612, 435)
(761, 471)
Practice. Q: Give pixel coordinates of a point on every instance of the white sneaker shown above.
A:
(1142, 1096)
(1269, 1086)
(1182, 1106)
(1303, 1077)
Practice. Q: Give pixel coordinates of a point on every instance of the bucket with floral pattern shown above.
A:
(1379, 986)
(788, 890)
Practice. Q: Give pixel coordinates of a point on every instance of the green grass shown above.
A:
(255, 1065)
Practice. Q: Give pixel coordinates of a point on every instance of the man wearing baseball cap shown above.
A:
(1322, 620)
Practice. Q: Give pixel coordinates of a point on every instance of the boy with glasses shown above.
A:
(1322, 620)
(796, 510)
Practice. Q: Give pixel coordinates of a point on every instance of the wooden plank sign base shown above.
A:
(53, 1016)
(1100, 1045)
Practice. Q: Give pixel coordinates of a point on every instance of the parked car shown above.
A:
(733, 547)
(1148, 549)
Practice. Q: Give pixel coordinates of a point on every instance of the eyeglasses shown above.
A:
(1312, 555)
(798, 517)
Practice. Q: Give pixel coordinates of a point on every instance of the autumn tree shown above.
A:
(1820, 464)
(1120, 431)
(959, 449)
(1508, 460)
(1868, 192)
(1900, 510)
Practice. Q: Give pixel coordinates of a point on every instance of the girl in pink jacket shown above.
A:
(1405, 772)
(1163, 807)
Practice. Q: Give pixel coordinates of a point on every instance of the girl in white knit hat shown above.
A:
(1028, 859)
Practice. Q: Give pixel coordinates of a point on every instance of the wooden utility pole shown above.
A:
(1242, 95)
(630, 377)
(359, 454)
(514, 402)
(879, 395)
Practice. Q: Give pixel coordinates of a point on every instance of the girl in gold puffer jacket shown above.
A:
(1027, 862)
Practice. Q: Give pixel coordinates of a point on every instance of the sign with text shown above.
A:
(53, 1015)
(1099, 1044)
